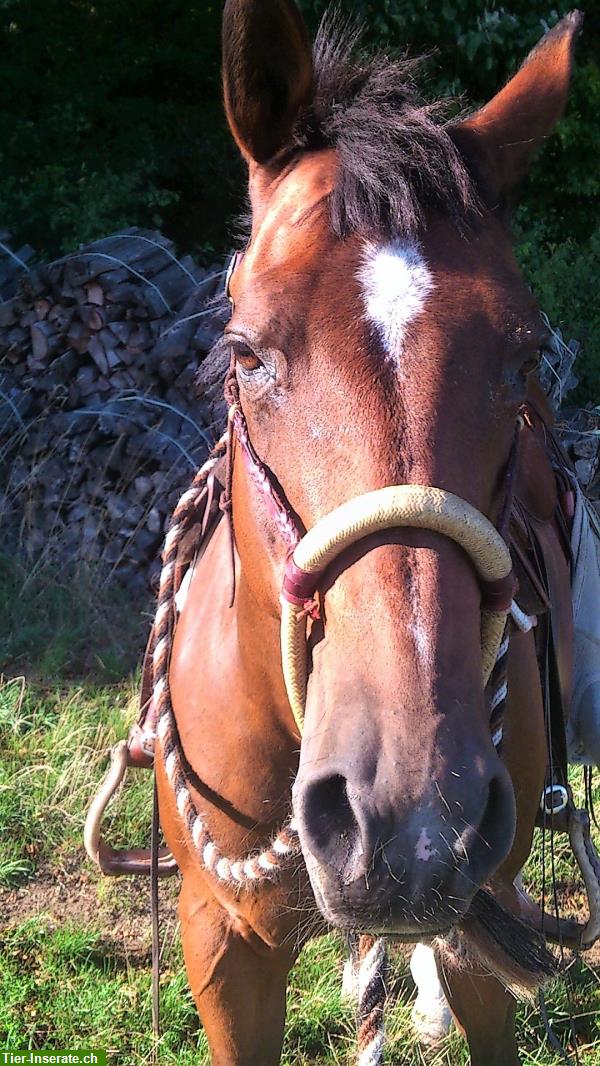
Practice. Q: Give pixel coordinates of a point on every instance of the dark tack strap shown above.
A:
(154, 902)
(498, 595)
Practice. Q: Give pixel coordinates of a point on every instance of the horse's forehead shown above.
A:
(397, 278)
(289, 214)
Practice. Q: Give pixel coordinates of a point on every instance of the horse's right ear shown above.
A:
(506, 134)
(267, 73)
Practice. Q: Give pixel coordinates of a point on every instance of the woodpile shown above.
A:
(101, 427)
(579, 426)
(580, 432)
(110, 397)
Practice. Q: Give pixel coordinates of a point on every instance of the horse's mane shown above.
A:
(397, 157)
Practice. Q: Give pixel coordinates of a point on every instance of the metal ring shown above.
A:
(551, 791)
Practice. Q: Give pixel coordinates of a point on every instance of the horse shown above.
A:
(381, 337)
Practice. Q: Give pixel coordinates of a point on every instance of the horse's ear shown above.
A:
(506, 133)
(267, 73)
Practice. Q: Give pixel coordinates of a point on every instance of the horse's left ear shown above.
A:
(267, 74)
(506, 133)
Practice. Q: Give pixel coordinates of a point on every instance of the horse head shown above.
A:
(382, 335)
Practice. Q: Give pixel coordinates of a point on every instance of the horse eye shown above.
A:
(246, 358)
(532, 363)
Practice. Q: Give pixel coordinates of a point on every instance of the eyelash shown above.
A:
(251, 358)
(531, 364)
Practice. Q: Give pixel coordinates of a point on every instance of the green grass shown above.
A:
(57, 622)
(79, 978)
(53, 745)
(61, 986)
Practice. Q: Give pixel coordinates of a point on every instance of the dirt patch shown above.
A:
(118, 908)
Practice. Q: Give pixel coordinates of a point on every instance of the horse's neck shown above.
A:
(227, 687)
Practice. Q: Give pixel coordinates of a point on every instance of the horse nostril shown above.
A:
(327, 819)
(488, 842)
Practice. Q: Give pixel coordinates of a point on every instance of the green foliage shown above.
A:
(110, 115)
(564, 276)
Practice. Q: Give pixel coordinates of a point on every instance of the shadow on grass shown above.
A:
(67, 623)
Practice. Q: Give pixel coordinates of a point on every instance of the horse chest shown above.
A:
(226, 718)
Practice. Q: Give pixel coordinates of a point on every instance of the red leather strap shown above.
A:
(299, 586)
(138, 752)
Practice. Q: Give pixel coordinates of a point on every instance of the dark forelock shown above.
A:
(397, 158)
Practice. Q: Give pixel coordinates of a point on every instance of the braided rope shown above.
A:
(372, 974)
(498, 689)
(498, 683)
(256, 867)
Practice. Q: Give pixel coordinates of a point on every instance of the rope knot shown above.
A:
(311, 609)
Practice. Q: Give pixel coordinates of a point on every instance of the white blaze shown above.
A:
(396, 281)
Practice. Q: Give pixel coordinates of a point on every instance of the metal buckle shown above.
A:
(558, 797)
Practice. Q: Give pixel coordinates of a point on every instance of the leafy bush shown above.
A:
(564, 277)
(110, 115)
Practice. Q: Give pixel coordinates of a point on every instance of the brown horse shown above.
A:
(382, 335)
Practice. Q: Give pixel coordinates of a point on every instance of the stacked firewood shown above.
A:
(580, 432)
(579, 426)
(101, 426)
(12, 264)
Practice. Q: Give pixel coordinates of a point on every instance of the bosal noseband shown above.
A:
(416, 506)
